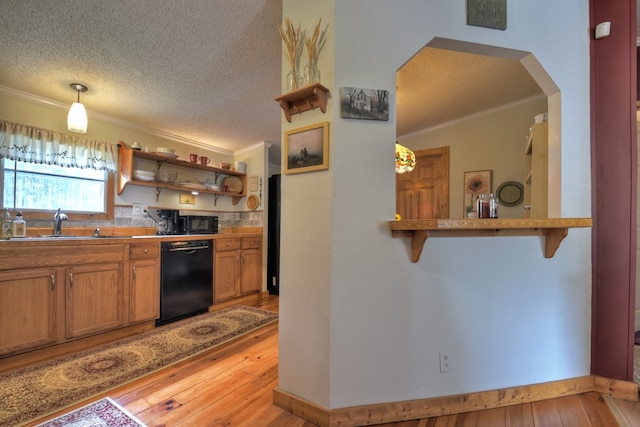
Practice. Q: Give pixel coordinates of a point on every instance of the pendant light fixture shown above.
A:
(77, 118)
(405, 159)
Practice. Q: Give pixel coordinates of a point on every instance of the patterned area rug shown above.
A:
(103, 413)
(32, 392)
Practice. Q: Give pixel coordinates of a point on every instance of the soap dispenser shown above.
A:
(19, 226)
(6, 225)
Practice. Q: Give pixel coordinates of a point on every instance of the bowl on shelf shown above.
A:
(167, 176)
(165, 150)
(225, 166)
(143, 175)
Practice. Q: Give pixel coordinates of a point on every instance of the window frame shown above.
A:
(47, 214)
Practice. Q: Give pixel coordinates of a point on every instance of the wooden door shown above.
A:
(424, 192)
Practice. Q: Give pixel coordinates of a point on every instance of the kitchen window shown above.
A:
(32, 186)
(43, 170)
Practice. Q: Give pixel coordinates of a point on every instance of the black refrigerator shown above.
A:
(273, 244)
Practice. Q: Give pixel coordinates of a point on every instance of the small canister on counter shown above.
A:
(482, 206)
(493, 206)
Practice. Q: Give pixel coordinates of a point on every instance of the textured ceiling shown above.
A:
(209, 70)
(203, 70)
(437, 86)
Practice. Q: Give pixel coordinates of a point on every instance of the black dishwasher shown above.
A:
(186, 279)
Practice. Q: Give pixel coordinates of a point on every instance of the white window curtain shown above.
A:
(34, 145)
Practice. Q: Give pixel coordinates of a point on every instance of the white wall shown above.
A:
(360, 323)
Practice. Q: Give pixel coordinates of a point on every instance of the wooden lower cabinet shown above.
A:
(237, 267)
(250, 265)
(94, 298)
(31, 302)
(144, 282)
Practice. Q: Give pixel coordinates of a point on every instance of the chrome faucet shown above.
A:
(57, 222)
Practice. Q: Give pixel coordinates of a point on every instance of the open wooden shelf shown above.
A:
(553, 230)
(126, 158)
(301, 100)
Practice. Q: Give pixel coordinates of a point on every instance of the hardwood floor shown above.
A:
(232, 385)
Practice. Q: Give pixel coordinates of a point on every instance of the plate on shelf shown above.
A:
(233, 184)
(167, 155)
(143, 175)
(252, 202)
(194, 185)
(510, 193)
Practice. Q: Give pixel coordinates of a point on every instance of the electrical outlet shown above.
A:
(445, 362)
(136, 210)
(143, 209)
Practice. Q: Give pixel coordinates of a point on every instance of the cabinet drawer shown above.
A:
(227, 244)
(251, 242)
(144, 250)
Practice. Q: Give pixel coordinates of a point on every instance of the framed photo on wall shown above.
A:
(307, 148)
(487, 13)
(475, 182)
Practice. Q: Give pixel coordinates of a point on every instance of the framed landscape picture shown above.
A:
(307, 148)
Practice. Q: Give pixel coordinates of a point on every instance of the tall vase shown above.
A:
(294, 80)
(311, 74)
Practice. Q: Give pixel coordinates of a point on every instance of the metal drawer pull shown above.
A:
(71, 280)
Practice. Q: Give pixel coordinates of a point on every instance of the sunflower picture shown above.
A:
(475, 183)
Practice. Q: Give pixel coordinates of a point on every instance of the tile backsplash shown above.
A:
(124, 218)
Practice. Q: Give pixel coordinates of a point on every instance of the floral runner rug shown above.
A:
(32, 392)
(102, 413)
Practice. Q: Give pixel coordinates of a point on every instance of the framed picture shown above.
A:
(253, 183)
(307, 148)
(487, 13)
(475, 182)
(364, 104)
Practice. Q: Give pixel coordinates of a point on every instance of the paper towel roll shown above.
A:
(240, 167)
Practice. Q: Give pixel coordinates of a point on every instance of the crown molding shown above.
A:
(36, 99)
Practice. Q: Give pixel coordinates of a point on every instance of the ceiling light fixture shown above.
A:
(77, 118)
(405, 159)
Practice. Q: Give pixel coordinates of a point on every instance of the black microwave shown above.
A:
(195, 224)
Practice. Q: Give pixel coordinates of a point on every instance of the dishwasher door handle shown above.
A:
(191, 249)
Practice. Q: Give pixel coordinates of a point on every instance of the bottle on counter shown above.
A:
(19, 226)
(493, 206)
(6, 227)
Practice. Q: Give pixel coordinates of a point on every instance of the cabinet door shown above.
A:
(226, 275)
(251, 270)
(30, 301)
(144, 297)
(94, 298)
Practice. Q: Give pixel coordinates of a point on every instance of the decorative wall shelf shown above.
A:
(553, 230)
(126, 158)
(301, 100)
